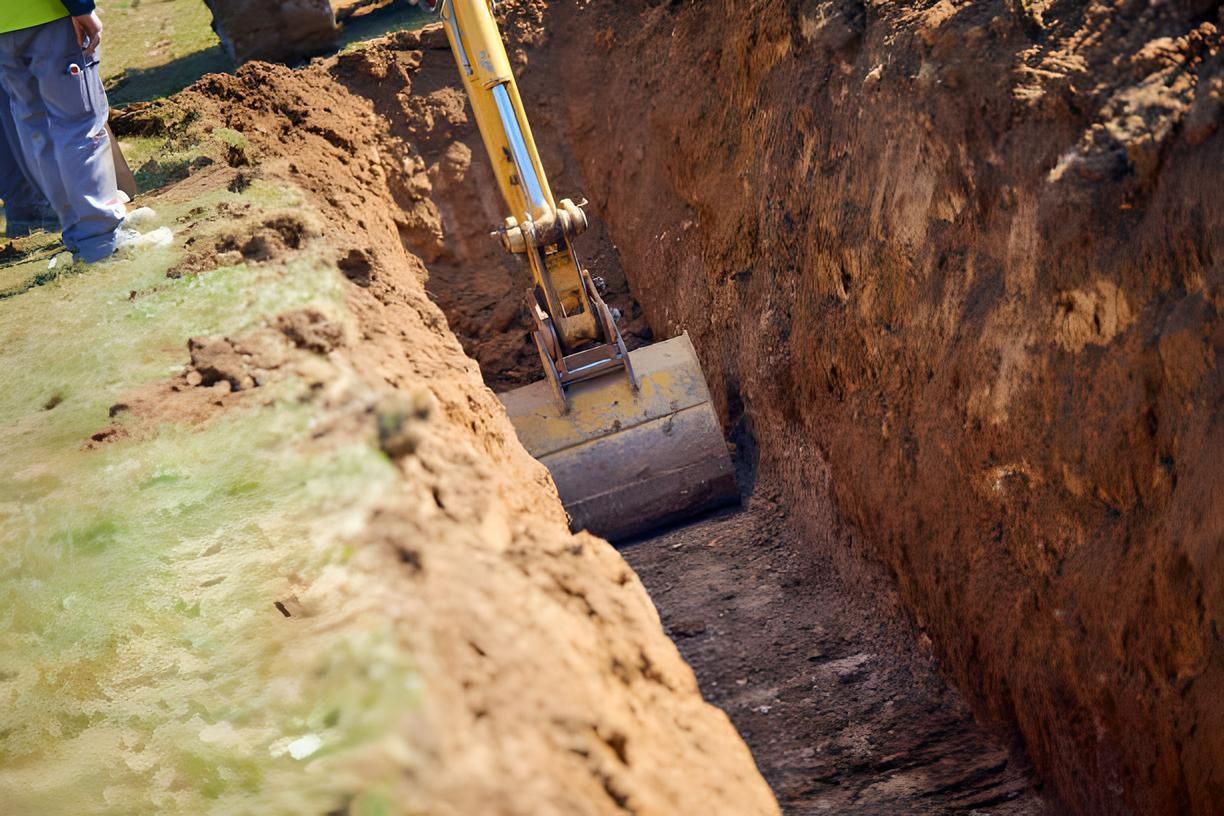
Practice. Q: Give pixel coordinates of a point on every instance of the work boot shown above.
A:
(129, 240)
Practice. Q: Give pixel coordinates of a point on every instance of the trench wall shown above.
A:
(958, 266)
(533, 673)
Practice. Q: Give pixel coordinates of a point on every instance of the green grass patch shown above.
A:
(144, 667)
(399, 16)
(154, 48)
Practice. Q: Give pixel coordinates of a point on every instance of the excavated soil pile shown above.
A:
(548, 685)
(958, 267)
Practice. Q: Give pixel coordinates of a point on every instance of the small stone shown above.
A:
(401, 419)
(423, 403)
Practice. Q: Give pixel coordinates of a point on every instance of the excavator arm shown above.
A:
(576, 335)
(632, 441)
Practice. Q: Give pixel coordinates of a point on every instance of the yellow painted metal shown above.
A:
(627, 461)
(472, 31)
(670, 380)
(484, 67)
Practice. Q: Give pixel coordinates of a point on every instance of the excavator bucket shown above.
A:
(626, 462)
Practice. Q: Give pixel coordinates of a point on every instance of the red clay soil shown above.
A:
(958, 267)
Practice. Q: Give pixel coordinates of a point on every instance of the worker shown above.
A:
(26, 209)
(49, 68)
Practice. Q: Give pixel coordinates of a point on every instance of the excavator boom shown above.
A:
(632, 440)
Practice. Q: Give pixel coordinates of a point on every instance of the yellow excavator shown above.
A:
(631, 439)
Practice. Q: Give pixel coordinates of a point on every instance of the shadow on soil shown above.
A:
(145, 84)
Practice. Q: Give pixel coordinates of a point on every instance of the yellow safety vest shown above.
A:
(18, 14)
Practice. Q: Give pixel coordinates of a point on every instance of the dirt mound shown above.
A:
(548, 686)
(284, 31)
(958, 267)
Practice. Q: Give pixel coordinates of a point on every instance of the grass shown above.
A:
(154, 48)
(143, 665)
(365, 27)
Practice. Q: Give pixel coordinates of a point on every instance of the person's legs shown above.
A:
(60, 111)
(25, 207)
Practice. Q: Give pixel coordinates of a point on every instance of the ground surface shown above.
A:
(845, 711)
(148, 655)
(269, 545)
(353, 590)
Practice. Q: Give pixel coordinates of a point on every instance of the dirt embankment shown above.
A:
(958, 267)
(548, 686)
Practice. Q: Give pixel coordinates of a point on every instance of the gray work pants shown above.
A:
(25, 207)
(60, 112)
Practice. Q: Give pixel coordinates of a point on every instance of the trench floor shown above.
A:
(845, 712)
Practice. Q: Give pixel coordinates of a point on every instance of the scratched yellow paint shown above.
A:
(670, 380)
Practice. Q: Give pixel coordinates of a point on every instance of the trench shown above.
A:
(920, 541)
(840, 700)
(839, 697)
(845, 710)
(970, 395)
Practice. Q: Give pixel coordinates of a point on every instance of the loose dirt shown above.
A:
(843, 706)
(546, 683)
